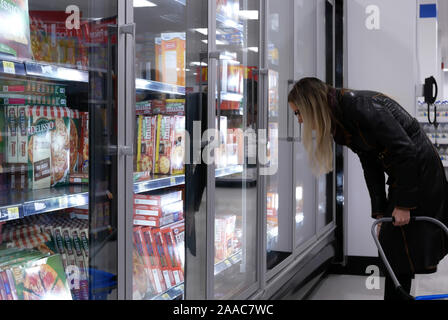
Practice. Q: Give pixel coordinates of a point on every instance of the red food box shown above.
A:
(149, 221)
(158, 200)
(164, 257)
(158, 211)
(138, 245)
(179, 237)
(171, 253)
(149, 247)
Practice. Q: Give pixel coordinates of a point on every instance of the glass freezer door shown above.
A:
(58, 159)
(236, 192)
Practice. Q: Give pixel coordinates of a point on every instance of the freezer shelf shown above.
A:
(22, 204)
(11, 66)
(142, 84)
(163, 182)
(171, 294)
(227, 263)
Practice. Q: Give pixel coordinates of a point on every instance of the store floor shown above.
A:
(345, 287)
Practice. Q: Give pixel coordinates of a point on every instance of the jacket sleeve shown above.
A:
(399, 155)
(376, 184)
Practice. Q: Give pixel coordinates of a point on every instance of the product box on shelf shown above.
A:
(22, 135)
(146, 143)
(158, 55)
(173, 58)
(84, 146)
(150, 221)
(164, 144)
(81, 213)
(224, 234)
(82, 265)
(142, 269)
(52, 101)
(79, 178)
(12, 86)
(150, 250)
(178, 151)
(158, 199)
(15, 29)
(178, 230)
(175, 107)
(75, 141)
(160, 244)
(158, 211)
(12, 133)
(171, 253)
(41, 279)
(158, 107)
(143, 108)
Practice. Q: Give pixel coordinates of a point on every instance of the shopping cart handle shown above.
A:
(392, 220)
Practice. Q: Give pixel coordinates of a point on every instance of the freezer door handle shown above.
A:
(126, 151)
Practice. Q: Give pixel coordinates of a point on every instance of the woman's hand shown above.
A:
(402, 217)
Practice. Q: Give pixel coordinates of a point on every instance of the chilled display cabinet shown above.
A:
(147, 151)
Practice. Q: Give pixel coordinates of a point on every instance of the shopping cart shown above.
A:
(397, 284)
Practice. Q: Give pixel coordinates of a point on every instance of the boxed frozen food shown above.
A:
(82, 265)
(178, 153)
(22, 135)
(150, 249)
(161, 250)
(141, 267)
(12, 133)
(171, 253)
(158, 211)
(60, 147)
(41, 279)
(175, 107)
(79, 178)
(84, 146)
(10, 86)
(224, 234)
(164, 144)
(53, 42)
(146, 143)
(143, 108)
(160, 199)
(178, 230)
(15, 29)
(75, 135)
(173, 58)
(158, 107)
(149, 221)
(158, 55)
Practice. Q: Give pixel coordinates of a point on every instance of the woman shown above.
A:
(387, 140)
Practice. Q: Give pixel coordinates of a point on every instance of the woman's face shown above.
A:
(296, 111)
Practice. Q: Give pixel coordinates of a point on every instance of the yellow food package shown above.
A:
(173, 58)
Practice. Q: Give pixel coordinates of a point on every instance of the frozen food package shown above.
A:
(171, 253)
(146, 143)
(158, 54)
(142, 267)
(159, 198)
(224, 234)
(158, 211)
(15, 29)
(178, 230)
(175, 107)
(12, 133)
(75, 140)
(173, 58)
(164, 142)
(60, 147)
(42, 279)
(139, 276)
(151, 221)
(143, 108)
(22, 134)
(178, 153)
(154, 259)
(160, 246)
(41, 123)
(84, 146)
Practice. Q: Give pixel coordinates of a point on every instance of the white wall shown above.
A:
(380, 60)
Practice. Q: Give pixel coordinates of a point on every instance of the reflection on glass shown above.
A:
(55, 213)
(159, 168)
(236, 194)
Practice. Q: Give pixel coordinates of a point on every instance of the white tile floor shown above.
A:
(344, 287)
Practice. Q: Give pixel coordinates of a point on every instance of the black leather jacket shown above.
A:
(389, 140)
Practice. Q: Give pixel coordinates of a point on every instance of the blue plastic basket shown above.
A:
(101, 284)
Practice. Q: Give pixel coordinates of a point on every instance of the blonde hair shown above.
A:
(310, 96)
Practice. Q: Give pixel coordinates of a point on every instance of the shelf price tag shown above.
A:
(9, 67)
(173, 180)
(63, 202)
(8, 214)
